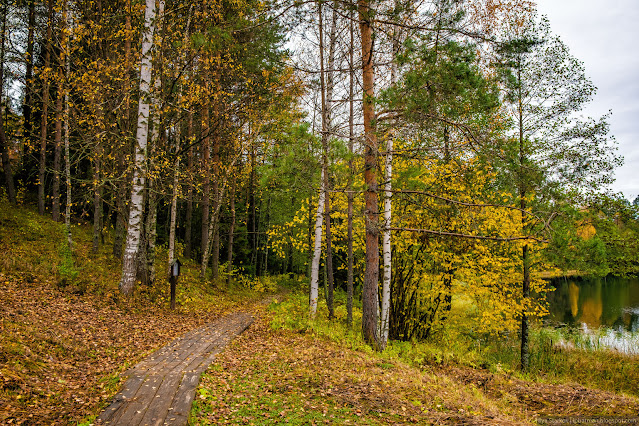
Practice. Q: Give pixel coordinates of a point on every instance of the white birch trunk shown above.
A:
(386, 245)
(136, 205)
(317, 251)
(386, 231)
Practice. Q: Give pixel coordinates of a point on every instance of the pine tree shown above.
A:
(551, 158)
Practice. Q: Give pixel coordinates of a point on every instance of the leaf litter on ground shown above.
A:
(61, 353)
(281, 376)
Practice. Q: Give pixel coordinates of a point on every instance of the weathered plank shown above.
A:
(114, 411)
(160, 389)
(158, 409)
(181, 405)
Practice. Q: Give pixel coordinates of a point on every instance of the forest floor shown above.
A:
(67, 335)
(61, 356)
(273, 376)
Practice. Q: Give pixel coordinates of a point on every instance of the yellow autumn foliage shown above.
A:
(435, 275)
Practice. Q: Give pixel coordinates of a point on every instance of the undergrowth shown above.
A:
(66, 331)
(549, 361)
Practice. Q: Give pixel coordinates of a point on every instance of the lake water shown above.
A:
(595, 302)
(604, 310)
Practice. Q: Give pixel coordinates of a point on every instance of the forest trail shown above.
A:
(160, 389)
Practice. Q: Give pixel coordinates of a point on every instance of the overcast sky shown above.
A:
(605, 36)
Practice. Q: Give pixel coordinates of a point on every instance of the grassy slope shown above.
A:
(62, 346)
(292, 371)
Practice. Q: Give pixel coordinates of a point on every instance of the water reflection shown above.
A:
(595, 302)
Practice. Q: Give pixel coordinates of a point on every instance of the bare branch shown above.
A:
(473, 237)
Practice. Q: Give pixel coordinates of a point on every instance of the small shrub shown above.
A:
(67, 271)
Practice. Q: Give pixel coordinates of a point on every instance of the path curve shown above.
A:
(160, 389)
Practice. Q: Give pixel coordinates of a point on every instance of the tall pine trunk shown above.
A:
(44, 120)
(371, 208)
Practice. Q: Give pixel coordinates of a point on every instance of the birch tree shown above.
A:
(317, 251)
(136, 206)
(386, 232)
(386, 245)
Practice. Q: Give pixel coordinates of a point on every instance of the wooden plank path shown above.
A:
(160, 389)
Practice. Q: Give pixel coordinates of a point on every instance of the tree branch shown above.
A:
(473, 237)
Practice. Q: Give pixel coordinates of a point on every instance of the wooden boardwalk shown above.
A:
(160, 389)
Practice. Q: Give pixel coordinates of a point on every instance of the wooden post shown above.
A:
(173, 281)
(174, 273)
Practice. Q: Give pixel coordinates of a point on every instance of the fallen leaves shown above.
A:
(271, 376)
(61, 354)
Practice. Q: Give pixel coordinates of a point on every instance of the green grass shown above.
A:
(30, 244)
(260, 399)
(590, 366)
(550, 362)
